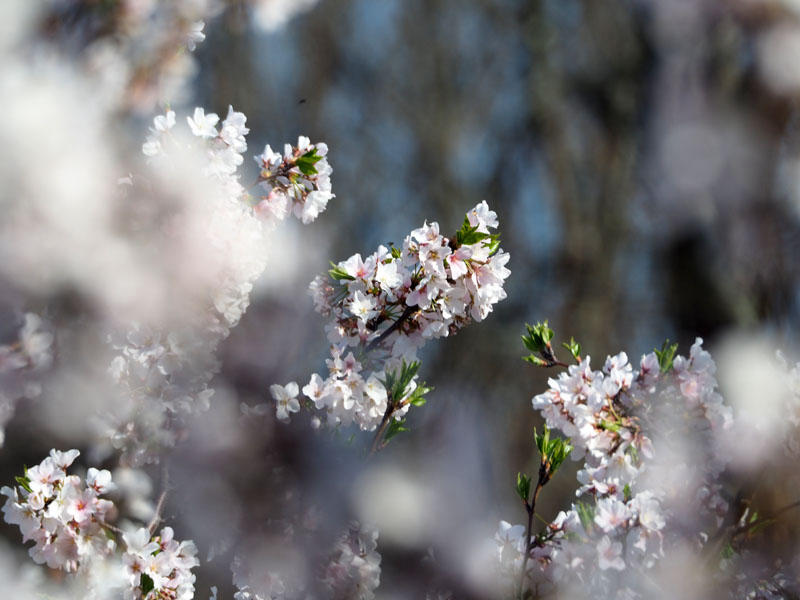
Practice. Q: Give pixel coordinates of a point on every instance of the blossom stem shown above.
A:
(113, 528)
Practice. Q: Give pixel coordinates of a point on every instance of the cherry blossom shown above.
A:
(159, 565)
(165, 375)
(66, 520)
(297, 181)
(286, 399)
(383, 308)
(627, 427)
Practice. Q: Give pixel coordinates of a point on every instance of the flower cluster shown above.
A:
(225, 144)
(32, 350)
(298, 182)
(272, 585)
(647, 441)
(354, 569)
(349, 571)
(385, 306)
(64, 516)
(165, 372)
(67, 518)
(163, 379)
(20, 360)
(159, 566)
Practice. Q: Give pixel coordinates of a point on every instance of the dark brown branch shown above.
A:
(387, 416)
(556, 363)
(544, 477)
(748, 526)
(391, 329)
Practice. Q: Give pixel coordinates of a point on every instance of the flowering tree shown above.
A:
(130, 271)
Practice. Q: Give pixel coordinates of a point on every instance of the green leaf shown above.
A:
(147, 585)
(609, 426)
(523, 486)
(727, 551)
(553, 451)
(542, 440)
(535, 360)
(24, 481)
(396, 383)
(586, 515)
(538, 337)
(396, 252)
(394, 428)
(666, 355)
(307, 161)
(469, 235)
(559, 451)
(758, 526)
(417, 397)
(472, 237)
(574, 348)
(626, 492)
(492, 243)
(338, 273)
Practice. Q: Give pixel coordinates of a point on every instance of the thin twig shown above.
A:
(717, 542)
(784, 509)
(113, 528)
(747, 526)
(151, 527)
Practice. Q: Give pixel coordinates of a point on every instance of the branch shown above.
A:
(391, 329)
(784, 509)
(747, 526)
(382, 429)
(555, 363)
(531, 508)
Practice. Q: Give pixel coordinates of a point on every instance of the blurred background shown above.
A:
(644, 161)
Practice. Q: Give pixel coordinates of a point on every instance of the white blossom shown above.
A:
(285, 399)
(203, 125)
(391, 302)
